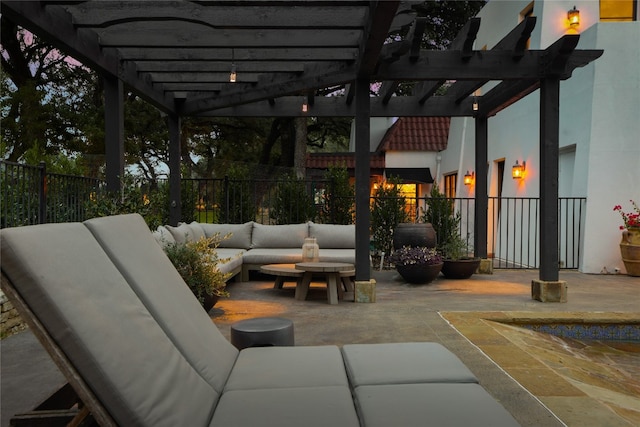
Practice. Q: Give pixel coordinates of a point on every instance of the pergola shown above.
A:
(179, 55)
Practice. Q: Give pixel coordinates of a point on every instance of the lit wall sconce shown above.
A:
(517, 171)
(233, 75)
(475, 103)
(469, 178)
(573, 15)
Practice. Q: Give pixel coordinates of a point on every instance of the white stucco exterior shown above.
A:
(599, 124)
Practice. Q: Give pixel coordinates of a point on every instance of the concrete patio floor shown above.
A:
(520, 368)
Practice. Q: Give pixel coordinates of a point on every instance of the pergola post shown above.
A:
(548, 288)
(481, 193)
(113, 131)
(175, 198)
(362, 172)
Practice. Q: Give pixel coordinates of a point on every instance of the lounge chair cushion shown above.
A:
(430, 405)
(133, 367)
(285, 367)
(166, 296)
(287, 407)
(417, 362)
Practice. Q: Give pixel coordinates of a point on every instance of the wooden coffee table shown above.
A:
(282, 273)
(332, 272)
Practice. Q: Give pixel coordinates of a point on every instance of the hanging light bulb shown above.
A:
(233, 75)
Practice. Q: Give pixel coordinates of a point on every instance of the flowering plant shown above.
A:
(415, 255)
(631, 219)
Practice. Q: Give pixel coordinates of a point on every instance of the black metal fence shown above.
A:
(30, 195)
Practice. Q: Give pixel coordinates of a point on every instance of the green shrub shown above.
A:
(197, 263)
(446, 223)
(338, 198)
(387, 211)
(292, 203)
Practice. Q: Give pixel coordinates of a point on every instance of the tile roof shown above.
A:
(323, 160)
(417, 134)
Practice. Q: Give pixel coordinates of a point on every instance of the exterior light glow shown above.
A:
(573, 15)
(469, 178)
(233, 75)
(517, 171)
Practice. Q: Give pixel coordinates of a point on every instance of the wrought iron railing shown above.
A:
(30, 195)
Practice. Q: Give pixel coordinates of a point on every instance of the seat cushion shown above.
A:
(418, 362)
(279, 236)
(335, 236)
(240, 234)
(287, 367)
(127, 241)
(263, 256)
(102, 327)
(439, 405)
(287, 407)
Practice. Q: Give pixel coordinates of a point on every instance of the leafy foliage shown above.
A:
(292, 203)
(338, 199)
(445, 221)
(237, 205)
(387, 211)
(197, 263)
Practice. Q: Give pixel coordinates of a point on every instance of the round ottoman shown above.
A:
(262, 332)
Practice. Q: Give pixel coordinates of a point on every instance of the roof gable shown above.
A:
(417, 134)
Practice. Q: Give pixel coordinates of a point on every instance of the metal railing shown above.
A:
(30, 195)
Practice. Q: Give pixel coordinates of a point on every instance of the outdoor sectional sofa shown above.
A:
(138, 349)
(251, 244)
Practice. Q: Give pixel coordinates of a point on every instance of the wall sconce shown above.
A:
(469, 178)
(234, 72)
(573, 15)
(517, 171)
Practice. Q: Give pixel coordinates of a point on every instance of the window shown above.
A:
(450, 182)
(618, 10)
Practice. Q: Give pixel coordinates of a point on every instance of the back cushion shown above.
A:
(163, 236)
(279, 236)
(333, 236)
(182, 233)
(196, 231)
(102, 327)
(240, 234)
(127, 241)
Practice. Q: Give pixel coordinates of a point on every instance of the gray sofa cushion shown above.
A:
(240, 234)
(338, 255)
(420, 362)
(430, 405)
(197, 231)
(286, 367)
(181, 233)
(333, 235)
(163, 236)
(279, 236)
(75, 290)
(287, 407)
(272, 256)
(129, 244)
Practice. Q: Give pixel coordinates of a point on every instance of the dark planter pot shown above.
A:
(460, 268)
(419, 273)
(209, 302)
(409, 234)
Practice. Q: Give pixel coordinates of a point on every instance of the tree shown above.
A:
(338, 198)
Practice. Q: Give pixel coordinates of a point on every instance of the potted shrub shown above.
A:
(457, 262)
(417, 264)
(197, 263)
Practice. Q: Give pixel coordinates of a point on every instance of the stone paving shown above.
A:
(540, 379)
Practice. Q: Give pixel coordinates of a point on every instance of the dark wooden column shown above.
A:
(113, 131)
(482, 196)
(175, 198)
(362, 173)
(549, 155)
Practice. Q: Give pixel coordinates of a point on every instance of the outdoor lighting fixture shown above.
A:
(234, 72)
(573, 15)
(517, 171)
(305, 106)
(468, 178)
(475, 103)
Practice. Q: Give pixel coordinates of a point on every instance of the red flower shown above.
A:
(631, 219)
